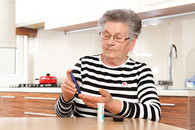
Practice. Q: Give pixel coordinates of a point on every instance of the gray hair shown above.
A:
(125, 16)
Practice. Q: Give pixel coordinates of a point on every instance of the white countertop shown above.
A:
(170, 92)
(33, 90)
(177, 92)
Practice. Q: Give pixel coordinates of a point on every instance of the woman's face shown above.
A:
(112, 49)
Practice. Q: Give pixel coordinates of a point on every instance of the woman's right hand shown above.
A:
(68, 87)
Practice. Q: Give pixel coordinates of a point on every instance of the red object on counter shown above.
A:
(48, 79)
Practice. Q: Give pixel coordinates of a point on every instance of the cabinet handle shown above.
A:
(40, 114)
(40, 98)
(8, 96)
(167, 104)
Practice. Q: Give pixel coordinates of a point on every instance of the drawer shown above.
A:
(174, 111)
(39, 104)
(14, 104)
(10, 105)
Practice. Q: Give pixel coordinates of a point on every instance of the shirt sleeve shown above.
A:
(148, 106)
(63, 108)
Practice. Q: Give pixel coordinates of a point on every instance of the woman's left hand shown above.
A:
(92, 101)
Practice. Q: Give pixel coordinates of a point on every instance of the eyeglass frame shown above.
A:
(101, 34)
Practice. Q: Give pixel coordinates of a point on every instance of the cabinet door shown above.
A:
(192, 112)
(27, 104)
(174, 111)
(67, 13)
(11, 105)
(40, 104)
(148, 5)
(60, 13)
(29, 12)
(95, 9)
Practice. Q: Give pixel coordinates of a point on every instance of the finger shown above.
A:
(69, 92)
(91, 99)
(78, 83)
(82, 96)
(65, 86)
(68, 73)
(69, 79)
(103, 92)
(69, 82)
(90, 104)
(88, 98)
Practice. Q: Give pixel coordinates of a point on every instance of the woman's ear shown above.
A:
(132, 43)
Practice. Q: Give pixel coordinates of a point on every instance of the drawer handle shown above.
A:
(40, 98)
(8, 96)
(167, 104)
(40, 114)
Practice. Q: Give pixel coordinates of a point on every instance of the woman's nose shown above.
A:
(110, 41)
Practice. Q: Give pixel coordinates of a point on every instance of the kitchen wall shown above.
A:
(156, 41)
(55, 52)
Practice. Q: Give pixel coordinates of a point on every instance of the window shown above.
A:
(8, 60)
(13, 63)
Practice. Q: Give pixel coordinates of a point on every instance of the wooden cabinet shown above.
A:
(10, 105)
(178, 111)
(27, 104)
(148, 5)
(174, 111)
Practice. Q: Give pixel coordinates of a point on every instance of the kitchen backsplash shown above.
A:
(55, 52)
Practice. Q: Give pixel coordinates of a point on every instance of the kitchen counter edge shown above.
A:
(32, 90)
(181, 92)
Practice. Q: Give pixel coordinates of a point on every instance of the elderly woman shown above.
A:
(112, 77)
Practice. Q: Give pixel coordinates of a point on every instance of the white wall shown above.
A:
(56, 52)
(156, 41)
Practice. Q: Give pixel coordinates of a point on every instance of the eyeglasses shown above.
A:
(117, 38)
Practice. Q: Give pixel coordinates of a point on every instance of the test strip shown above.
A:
(74, 81)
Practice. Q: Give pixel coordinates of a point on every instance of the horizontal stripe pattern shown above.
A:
(138, 94)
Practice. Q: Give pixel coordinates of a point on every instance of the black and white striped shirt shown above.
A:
(132, 83)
